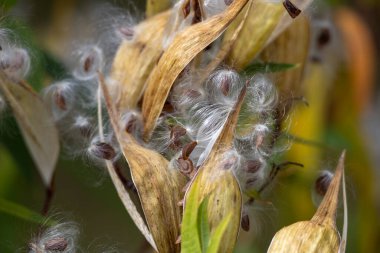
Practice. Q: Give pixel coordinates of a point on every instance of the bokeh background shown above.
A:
(344, 113)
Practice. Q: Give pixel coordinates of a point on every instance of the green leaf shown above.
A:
(189, 230)
(203, 226)
(217, 236)
(22, 212)
(268, 67)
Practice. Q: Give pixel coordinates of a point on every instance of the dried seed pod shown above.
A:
(218, 182)
(184, 48)
(158, 186)
(320, 233)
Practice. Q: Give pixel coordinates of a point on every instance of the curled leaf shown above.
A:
(184, 48)
(38, 129)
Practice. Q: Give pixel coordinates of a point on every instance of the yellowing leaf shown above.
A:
(185, 46)
(35, 123)
(135, 59)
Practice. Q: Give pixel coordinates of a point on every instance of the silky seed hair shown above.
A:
(61, 238)
(261, 94)
(14, 61)
(90, 61)
(320, 186)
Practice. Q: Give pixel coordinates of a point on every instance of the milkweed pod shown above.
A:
(320, 233)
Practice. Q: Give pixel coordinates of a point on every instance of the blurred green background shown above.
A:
(84, 193)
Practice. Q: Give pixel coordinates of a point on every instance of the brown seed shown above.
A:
(197, 12)
(131, 125)
(252, 166)
(187, 149)
(175, 134)
(245, 222)
(192, 93)
(88, 63)
(186, 167)
(324, 37)
(322, 183)
(60, 100)
(56, 244)
(127, 31)
(291, 8)
(225, 86)
(103, 150)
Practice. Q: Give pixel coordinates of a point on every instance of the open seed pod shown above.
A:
(320, 233)
(217, 182)
(159, 187)
(136, 58)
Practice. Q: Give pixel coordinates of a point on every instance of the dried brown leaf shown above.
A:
(185, 46)
(135, 59)
(217, 181)
(38, 129)
(159, 187)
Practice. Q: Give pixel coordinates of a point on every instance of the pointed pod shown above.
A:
(216, 180)
(320, 233)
